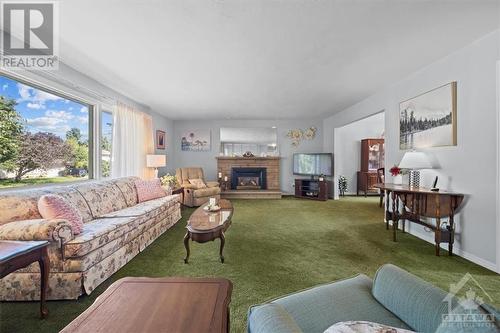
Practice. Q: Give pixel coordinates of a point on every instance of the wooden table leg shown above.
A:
(437, 232)
(222, 242)
(395, 218)
(451, 227)
(186, 245)
(437, 235)
(44, 282)
(387, 205)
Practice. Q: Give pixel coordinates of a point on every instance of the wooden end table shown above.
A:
(158, 305)
(206, 226)
(18, 254)
(179, 190)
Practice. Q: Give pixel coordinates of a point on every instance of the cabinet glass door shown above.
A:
(375, 156)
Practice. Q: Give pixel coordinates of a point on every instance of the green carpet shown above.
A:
(273, 248)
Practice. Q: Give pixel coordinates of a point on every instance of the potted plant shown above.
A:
(342, 185)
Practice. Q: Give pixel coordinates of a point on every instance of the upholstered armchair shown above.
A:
(196, 195)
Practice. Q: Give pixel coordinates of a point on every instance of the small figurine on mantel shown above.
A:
(248, 154)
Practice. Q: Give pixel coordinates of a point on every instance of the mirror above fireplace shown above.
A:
(260, 141)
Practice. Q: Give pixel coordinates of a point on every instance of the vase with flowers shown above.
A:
(168, 182)
(397, 175)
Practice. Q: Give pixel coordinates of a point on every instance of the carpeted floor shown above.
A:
(274, 248)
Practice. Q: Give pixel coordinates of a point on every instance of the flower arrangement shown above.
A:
(168, 180)
(395, 170)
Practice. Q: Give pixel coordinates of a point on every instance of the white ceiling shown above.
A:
(262, 59)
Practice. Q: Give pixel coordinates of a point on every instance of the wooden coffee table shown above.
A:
(158, 305)
(206, 226)
(19, 254)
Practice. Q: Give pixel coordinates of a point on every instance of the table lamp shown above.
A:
(414, 161)
(156, 161)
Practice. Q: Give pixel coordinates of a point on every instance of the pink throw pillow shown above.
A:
(149, 189)
(53, 206)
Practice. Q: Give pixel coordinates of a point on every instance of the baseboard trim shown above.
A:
(457, 251)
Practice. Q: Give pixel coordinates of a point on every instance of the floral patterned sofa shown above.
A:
(116, 229)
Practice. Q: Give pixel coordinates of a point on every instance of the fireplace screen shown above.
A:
(248, 183)
(248, 179)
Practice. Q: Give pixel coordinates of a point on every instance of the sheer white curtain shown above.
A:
(132, 141)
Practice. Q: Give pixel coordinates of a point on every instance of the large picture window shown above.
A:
(44, 137)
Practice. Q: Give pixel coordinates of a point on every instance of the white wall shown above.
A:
(469, 167)
(348, 146)
(207, 159)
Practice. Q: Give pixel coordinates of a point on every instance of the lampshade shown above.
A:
(415, 160)
(156, 161)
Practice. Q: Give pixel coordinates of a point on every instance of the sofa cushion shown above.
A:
(102, 197)
(19, 205)
(75, 199)
(206, 192)
(127, 187)
(96, 234)
(100, 232)
(53, 206)
(149, 189)
(417, 302)
(147, 206)
(316, 309)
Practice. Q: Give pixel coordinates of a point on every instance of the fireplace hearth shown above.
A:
(248, 179)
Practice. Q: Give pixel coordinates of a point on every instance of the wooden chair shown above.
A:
(381, 179)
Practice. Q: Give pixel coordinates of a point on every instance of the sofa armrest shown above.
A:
(188, 186)
(271, 318)
(212, 184)
(56, 230)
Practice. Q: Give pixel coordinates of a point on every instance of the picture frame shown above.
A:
(196, 140)
(429, 119)
(160, 140)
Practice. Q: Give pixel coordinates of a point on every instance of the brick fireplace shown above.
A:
(251, 173)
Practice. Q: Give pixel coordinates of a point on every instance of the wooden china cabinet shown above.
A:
(372, 158)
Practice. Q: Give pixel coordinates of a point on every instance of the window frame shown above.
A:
(94, 112)
(104, 109)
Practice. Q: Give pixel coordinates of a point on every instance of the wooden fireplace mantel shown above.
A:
(260, 158)
(271, 163)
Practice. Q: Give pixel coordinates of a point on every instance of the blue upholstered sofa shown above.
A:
(394, 298)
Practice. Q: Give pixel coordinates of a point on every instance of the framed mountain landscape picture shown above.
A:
(429, 119)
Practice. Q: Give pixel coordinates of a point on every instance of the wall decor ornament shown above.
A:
(429, 119)
(196, 140)
(296, 135)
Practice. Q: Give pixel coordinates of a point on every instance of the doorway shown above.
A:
(356, 160)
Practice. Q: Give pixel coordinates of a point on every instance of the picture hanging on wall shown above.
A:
(430, 119)
(196, 140)
(160, 140)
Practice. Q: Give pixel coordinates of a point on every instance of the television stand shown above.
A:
(312, 189)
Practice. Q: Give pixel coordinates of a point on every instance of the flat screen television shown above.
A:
(309, 164)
